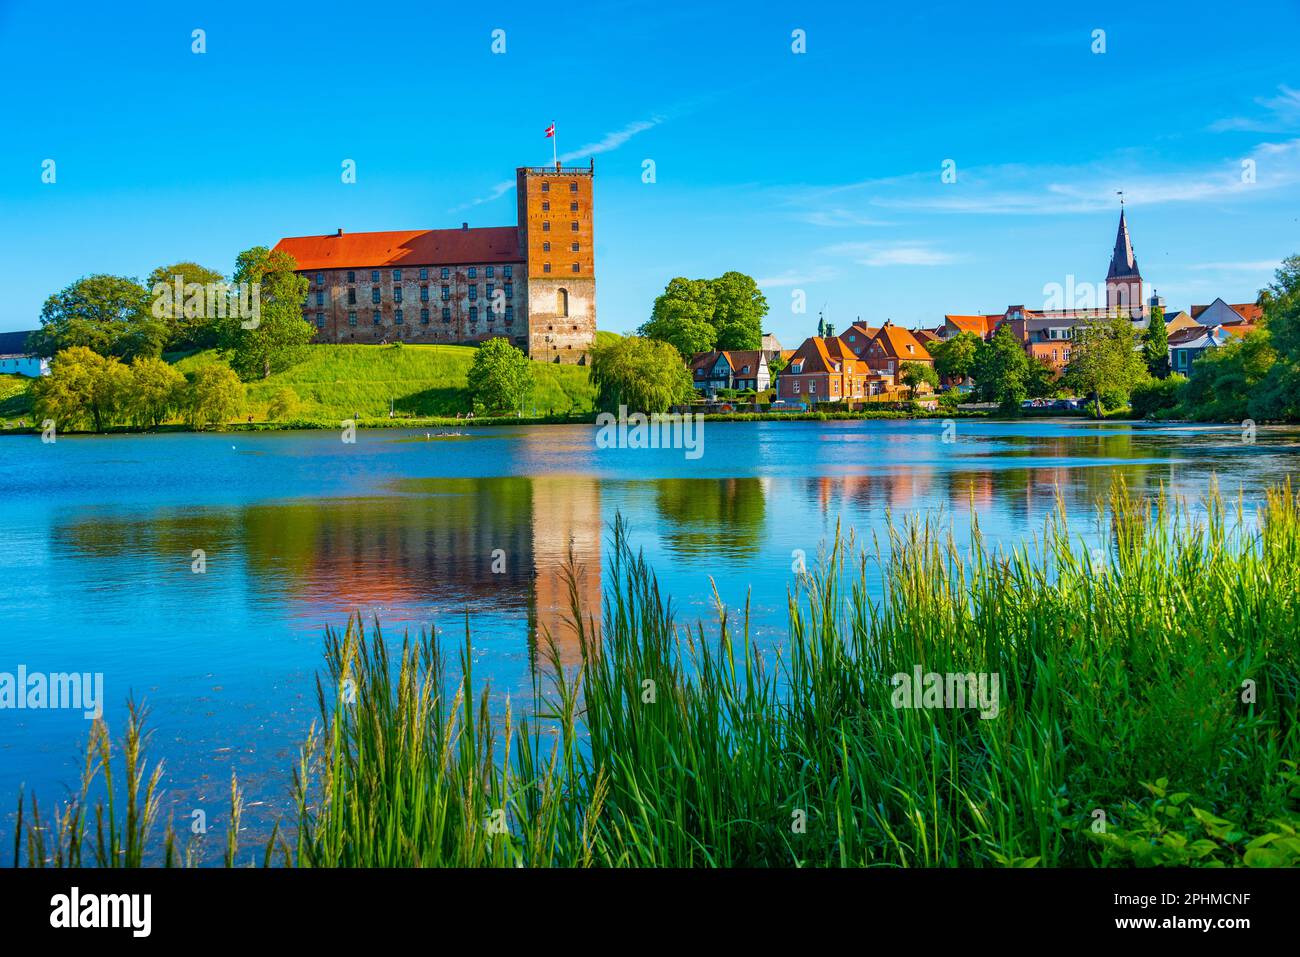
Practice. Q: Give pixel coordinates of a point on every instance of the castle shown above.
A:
(533, 283)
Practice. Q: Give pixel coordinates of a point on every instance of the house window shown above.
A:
(376, 319)
(510, 290)
(472, 273)
(446, 293)
(424, 294)
(424, 317)
(508, 271)
(397, 317)
(352, 276)
(796, 386)
(473, 293)
(510, 313)
(490, 271)
(320, 320)
(397, 275)
(490, 287)
(374, 295)
(446, 314)
(562, 302)
(352, 318)
(352, 297)
(320, 298)
(397, 294)
(446, 273)
(374, 275)
(812, 387)
(473, 313)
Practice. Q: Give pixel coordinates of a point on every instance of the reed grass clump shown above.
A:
(934, 705)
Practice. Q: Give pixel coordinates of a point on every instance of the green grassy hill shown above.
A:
(15, 400)
(339, 381)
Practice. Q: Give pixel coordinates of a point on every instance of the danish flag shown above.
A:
(550, 130)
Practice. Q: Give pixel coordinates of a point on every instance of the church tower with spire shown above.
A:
(1123, 281)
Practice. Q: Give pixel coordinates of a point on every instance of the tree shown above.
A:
(83, 388)
(1105, 361)
(1001, 371)
(700, 315)
(153, 391)
(1155, 344)
(274, 340)
(107, 314)
(188, 326)
(214, 396)
(283, 404)
(643, 374)
(1040, 378)
(501, 377)
(776, 365)
(916, 374)
(954, 358)
(1157, 395)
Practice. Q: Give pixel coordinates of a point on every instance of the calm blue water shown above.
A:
(301, 530)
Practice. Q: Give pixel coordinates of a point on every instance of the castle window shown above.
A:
(490, 271)
(575, 267)
(424, 317)
(424, 294)
(320, 320)
(320, 279)
(546, 206)
(510, 313)
(352, 276)
(374, 275)
(352, 297)
(546, 247)
(374, 295)
(546, 225)
(546, 187)
(446, 292)
(573, 247)
(490, 286)
(472, 273)
(473, 313)
(546, 267)
(320, 298)
(424, 272)
(352, 318)
(376, 318)
(509, 271)
(573, 207)
(446, 314)
(397, 275)
(473, 293)
(446, 273)
(510, 290)
(397, 294)
(397, 317)
(573, 187)
(573, 226)
(562, 302)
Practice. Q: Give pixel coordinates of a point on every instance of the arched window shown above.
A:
(562, 302)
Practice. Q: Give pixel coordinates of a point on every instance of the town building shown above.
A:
(744, 369)
(824, 369)
(891, 348)
(1219, 313)
(533, 283)
(1189, 344)
(17, 359)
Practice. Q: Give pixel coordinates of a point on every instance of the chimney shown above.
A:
(464, 225)
(340, 232)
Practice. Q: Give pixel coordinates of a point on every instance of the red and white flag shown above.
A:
(550, 130)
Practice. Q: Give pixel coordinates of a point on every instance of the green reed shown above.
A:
(1147, 714)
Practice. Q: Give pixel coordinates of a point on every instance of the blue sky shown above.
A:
(817, 172)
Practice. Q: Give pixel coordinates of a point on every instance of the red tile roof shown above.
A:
(899, 343)
(1249, 311)
(980, 325)
(412, 247)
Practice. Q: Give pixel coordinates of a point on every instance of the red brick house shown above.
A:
(825, 370)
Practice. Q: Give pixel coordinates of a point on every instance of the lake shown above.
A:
(299, 530)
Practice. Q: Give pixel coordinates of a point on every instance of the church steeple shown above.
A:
(1123, 280)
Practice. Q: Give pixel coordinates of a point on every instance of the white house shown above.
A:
(15, 359)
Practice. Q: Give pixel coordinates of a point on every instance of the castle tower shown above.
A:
(555, 238)
(1123, 281)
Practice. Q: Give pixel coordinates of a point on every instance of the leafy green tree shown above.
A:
(643, 374)
(276, 339)
(1001, 371)
(776, 365)
(954, 358)
(501, 377)
(700, 315)
(1157, 395)
(283, 404)
(83, 388)
(214, 396)
(108, 314)
(1041, 380)
(188, 327)
(916, 374)
(1155, 345)
(1105, 361)
(154, 390)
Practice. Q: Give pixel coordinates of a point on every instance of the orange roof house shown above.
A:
(982, 325)
(892, 347)
(1220, 313)
(824, 369)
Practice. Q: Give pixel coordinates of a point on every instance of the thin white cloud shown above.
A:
(611, 141)
(839, 217)
(900, 253)
(1281, 112)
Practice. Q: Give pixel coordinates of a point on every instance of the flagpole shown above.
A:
(555, 148)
